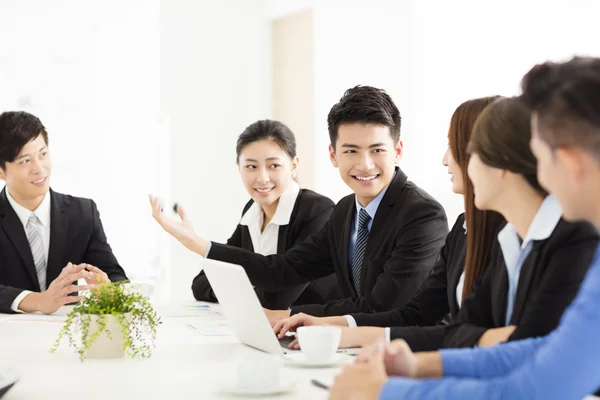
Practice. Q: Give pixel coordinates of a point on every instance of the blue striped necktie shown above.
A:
(360, 246)
(37, 248)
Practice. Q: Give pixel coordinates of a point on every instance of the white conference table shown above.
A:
(184, 365)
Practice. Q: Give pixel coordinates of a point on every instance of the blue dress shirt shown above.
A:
(371, 209)
(562, 365)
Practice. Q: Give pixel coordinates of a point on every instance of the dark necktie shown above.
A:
(359, 247)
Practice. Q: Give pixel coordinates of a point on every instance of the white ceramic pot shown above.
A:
(103, 346)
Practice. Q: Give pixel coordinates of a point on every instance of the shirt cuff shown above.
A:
(15, 304)
(351, 321)
(208, 249)
(388, 334)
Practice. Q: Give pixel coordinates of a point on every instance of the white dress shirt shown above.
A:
(459, 289)
(461, 280)
(43, 214)
(265, 241)
(516, 252)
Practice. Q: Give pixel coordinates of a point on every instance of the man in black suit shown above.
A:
(48, 240)
(380, 241)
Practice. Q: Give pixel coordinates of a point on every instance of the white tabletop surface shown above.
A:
(184, 365)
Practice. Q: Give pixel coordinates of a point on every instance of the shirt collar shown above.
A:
(252, 216)
(282, 216)
(42, 212)
(286, 204)
(372, 207)
(541, 227)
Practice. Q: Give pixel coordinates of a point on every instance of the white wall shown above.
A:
(356, 43)
(215, 80)
(469, 48)
(137, 94)
(90, 71)
(149, 96)
(431, 55)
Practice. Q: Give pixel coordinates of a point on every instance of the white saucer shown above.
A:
(299, 360)
(285, 386)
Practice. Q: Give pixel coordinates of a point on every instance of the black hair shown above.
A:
(566, 99)
(268, 130)
(17, 128)
(364, 105)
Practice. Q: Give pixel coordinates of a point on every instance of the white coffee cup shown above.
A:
(259, 373)
(319, 343)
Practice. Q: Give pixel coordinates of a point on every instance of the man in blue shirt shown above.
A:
(565, 364)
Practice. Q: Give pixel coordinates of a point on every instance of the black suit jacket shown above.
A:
(76, 235)
(437, 296)
(549, 280)
(406, 236)
(309, 214)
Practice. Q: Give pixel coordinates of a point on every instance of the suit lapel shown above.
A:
(499, 291)
(378, 231)
(344, 246)
(284, 241)
(58, 236)
(247, 239)
(14, 230)
(453, 277)
(525, 279)
(282, 238)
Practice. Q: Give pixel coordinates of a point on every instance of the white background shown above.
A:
(149, 96)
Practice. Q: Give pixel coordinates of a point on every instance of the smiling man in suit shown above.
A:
(381, 241)
(48, 240)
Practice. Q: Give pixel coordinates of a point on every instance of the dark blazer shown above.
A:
(437, 296)
(76, 235)
(309, 214)
(549, 280)
(406, 236)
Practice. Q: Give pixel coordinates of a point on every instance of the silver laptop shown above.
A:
(7, 379)
(242, 308)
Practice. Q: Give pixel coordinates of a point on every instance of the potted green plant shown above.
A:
(112, 321)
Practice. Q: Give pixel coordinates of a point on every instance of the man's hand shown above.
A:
(290, 324)
(95, 275)
(492, 337)
(362, 380)
(275, 316)
(57, 294)
(182, 230)
(398, 359)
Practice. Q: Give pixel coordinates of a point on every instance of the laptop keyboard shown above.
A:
(286, 341)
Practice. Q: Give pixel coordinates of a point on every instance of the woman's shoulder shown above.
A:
(310, 197)
(310, 203)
